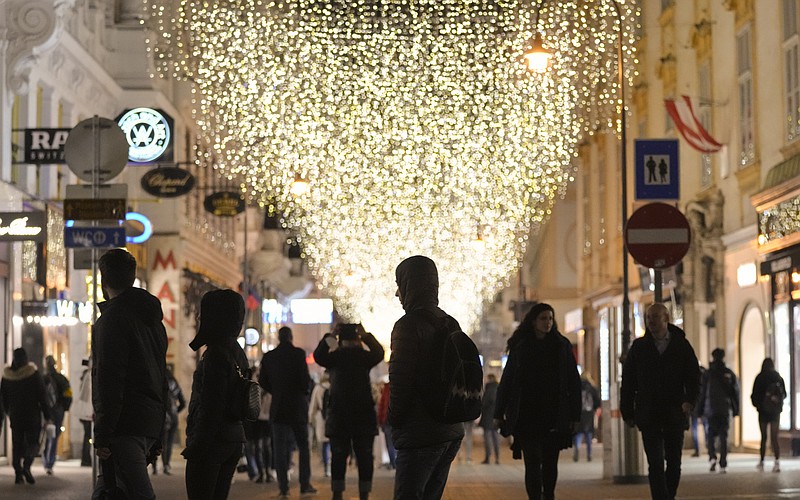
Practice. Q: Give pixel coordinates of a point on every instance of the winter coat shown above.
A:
(488, 405)
(315, 406)
(129, 381)
(210, 428)
(213, 433)
(351, 410)
(719, 392)
(534, 400)
(23, 397)
(763, 380)
(82, 405)
(284, 374)
(654, 386)
(411, 366)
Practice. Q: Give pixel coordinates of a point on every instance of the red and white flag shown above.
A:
(682, 113)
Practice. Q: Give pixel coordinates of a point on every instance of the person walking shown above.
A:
(351, 422)
(696, 420)
(284, 374)
(129, 380)
(317, 414)
(82, 409)
(176, 403)
(59, 397)
(590, 402)
(539, 398)
(769, 391)
(660, 386)
(215, 436)
(383, 422)
(719, 397)
(23, 398)
(425, 446)
(491, 439)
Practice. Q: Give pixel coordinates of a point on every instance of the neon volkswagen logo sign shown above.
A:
(147, 132)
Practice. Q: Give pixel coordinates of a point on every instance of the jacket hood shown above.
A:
(138, 301)
(418, 282)
(221, 318)
(20, 373)
(674, 332)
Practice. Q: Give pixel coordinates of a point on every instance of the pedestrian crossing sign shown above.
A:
(656, 167)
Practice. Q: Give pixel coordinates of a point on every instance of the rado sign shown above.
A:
(23, 226)
(224, 203)
(168, 182)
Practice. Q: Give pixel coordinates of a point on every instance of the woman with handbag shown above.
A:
(214, 431)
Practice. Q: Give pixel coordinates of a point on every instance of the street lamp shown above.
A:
(628, 437)
(537, 58)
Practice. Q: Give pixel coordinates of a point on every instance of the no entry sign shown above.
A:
(657, 235)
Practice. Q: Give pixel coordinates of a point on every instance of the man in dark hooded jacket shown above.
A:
(129, 381)
(284, 374)
(719, 398)
(425, 447)
(660, 385)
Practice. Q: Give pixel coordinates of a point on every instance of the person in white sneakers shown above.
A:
(768, 394)
(719, 399)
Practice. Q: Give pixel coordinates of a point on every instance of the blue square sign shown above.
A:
(656, 167)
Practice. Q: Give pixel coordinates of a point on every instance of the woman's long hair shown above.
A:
(526, 325)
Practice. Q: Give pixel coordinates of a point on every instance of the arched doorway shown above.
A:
(752, 351)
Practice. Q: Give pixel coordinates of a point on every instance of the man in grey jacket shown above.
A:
(425, 447)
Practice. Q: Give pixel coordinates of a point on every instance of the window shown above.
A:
(704, 115)
(745, 86)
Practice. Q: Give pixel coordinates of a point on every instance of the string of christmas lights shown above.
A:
(414, 123)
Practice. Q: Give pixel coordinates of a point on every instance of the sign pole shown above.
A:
(659, 283)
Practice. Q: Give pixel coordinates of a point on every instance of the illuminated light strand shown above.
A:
(413, 123)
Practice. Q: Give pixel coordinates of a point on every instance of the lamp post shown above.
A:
(537, 59)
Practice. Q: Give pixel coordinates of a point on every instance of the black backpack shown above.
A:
(326, 403)
(456, 385)
(772, 403)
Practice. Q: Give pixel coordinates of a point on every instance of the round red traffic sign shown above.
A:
(657, 235)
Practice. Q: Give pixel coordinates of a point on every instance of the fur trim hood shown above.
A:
(20, 373)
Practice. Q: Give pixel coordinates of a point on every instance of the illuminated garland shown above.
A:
(415, 123)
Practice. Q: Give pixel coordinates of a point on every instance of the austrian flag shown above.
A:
(682, 113)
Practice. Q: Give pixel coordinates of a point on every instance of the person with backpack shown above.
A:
(539, 398)
(59, 399)
(214, 432)
(590, 402)
(351, 422)
(768, 394)
(317, 414)
(719, 398)
(426, 446)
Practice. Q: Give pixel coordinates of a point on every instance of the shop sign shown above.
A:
(168, 182)
(97, 209)
(149, 134)
(224, 203)
(23, 226)
(45, 145)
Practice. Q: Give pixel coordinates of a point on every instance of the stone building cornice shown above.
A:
(29, 28)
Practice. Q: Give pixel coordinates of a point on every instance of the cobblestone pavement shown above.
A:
(580, 480)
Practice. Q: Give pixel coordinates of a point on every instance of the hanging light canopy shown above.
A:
(414, 119)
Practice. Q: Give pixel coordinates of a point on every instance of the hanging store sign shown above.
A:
(149, 134)
(224, 204)
(45, 145)
(168, 182)
(23, 226)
